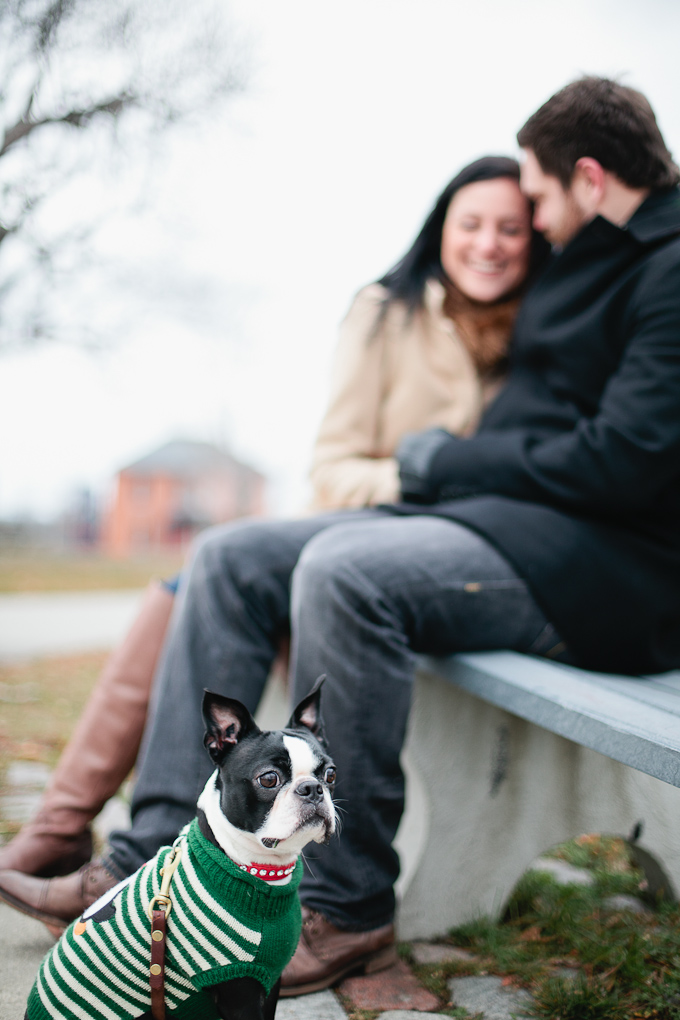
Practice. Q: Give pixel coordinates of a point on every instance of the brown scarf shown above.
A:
(484, 329)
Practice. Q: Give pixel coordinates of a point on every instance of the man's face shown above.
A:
(557, 214)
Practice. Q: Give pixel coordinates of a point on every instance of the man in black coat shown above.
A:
(575, 472)
(554, 530)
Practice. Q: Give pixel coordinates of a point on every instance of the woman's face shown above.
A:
(486, 239)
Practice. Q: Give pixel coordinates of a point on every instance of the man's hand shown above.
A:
(415, 454)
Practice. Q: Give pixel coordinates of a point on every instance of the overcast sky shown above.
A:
(309, 186)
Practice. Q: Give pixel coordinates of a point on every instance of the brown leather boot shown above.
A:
(325, 954)
(56, 901)
(100, 753)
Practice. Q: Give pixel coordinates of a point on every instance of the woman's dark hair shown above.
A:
(607, 121)
(422, 262)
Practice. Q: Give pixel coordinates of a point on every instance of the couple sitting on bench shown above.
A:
(544, 518)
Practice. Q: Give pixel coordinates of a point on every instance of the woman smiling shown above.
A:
(425, 346)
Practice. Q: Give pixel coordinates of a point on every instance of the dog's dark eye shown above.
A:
(330, 776)
(269, 780)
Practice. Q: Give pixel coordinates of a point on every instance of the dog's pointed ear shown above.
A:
(307, 715)
(227, 722)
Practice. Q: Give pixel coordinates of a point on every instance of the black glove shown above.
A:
(415, 454)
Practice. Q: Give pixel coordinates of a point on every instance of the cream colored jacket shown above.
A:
(409, 375)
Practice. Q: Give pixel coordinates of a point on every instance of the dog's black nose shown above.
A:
(310, 789)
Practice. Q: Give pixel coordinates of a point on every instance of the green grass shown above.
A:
(620, 965)
(606, 854)
(576, 1000)
(40, 702)
(40, 571)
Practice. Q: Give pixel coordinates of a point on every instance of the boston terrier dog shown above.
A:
(223, 897)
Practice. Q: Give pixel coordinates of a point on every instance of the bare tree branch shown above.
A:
(66, 66)
(50, 21)
(76, 118)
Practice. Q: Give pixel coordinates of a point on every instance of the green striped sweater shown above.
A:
(224, 924)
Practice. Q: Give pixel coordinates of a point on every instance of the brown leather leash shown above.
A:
(159, 916)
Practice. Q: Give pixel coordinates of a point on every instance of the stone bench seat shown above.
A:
(514, 754)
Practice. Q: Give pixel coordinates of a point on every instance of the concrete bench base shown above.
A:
(500, 792)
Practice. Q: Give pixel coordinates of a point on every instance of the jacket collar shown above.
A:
(657, 217)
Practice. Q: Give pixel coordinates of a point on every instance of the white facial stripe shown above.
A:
(302, 757)
(283, 821)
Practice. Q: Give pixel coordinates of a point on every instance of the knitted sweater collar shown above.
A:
(249, 896)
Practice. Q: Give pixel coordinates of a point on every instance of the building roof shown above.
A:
(186, 458)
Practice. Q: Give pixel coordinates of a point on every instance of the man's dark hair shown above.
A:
(607, 121)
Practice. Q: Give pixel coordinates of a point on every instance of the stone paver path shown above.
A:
(563, 873)
(320, 1006)
(23, 943)
(394, 988)
(409, 1014)
(489, 996)
(429, 953)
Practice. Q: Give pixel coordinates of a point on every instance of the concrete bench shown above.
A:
(514, 754)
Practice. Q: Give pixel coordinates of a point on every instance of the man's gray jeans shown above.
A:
(364, 592)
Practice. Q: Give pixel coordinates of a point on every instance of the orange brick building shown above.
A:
(165, 498)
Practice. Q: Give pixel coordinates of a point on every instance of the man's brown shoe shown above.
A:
(325, 954)
(56, 901)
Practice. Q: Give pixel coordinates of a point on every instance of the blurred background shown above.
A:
(191, 194)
